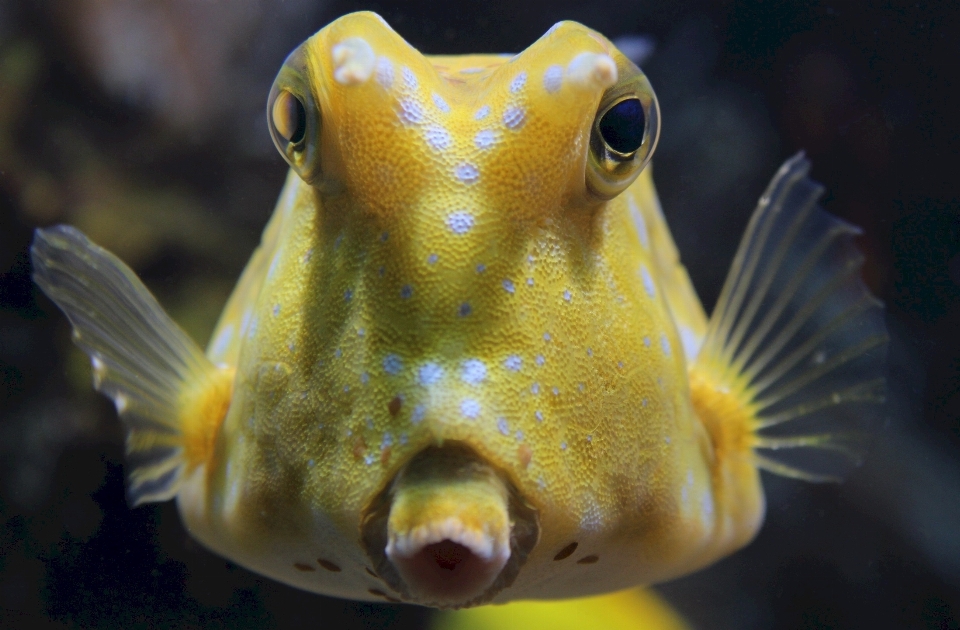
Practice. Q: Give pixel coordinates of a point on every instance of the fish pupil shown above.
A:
(290, 117)
(622, 126)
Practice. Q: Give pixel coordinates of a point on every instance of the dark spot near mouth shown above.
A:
(379, 593)
(394, 405)
(370, 571)
(566, 552)
(588, 559)
(329, 566)
(300, 566)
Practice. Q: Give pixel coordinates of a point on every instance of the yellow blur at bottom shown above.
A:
(633, 609)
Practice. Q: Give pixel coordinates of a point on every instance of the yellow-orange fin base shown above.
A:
(791, 366)
(171, 398)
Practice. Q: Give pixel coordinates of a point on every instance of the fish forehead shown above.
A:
(416, 307)
(483, 131)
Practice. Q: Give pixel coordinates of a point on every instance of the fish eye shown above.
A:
(294, 118)
(622, 126)
(289, 117)
(624, 134)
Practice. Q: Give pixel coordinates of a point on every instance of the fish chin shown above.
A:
(450, 531)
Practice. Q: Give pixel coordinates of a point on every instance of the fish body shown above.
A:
(465, 364)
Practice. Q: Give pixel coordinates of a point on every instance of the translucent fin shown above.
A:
(141, 358)
(672, 277)
(796, 336)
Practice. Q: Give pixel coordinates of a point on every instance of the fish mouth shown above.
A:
(449, 531)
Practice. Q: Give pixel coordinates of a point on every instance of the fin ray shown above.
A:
(141, 359)
(796, 336)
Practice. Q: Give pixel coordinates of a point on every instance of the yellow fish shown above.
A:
(465, 364)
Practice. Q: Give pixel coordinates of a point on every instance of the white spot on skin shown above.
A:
(406, 291)
(338, 353)
(474, 371)
(514, 117)
(460, 222)
(482, 113)
(638, 222)
(387, 441)
(518, 82)
(465, 309)
(481, 268)
(347, 296)
(563, 446)
(224, 337)
(384, 72)
(437, 137)
(508, 285)
(503, 426)
(567, 296)
(538, 415)
(416, 418)
(364, 378)
(556, 391)
(513, 363)
(647, 281)
(535, 388)
(432, 259)
(361, 332)
(553, 79)
(273, 265)
(485, 138)
(353, 61)
(252, 330)
(440, 103)
(691, 343)
(646, 341)
(539, 360)
(546, 336)
(529, 282)
(589, 352)
(308, 256)
(409, 78)
(276, 309)
(470, 408)
(665, 344)
(519, 436)
(392, 364)
(411, 113)
(466, 173)
(369, 459)
(429, 373)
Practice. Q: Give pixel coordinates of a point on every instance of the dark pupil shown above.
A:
(291, 120)
(622, 126)
(300, 116)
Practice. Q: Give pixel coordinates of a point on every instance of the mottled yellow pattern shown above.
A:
(460, 266)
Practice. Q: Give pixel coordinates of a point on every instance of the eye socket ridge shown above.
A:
(294, 118)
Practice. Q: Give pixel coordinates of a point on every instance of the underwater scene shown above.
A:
(481, 315)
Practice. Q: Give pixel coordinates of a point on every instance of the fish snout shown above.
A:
(450, 530)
